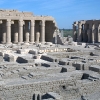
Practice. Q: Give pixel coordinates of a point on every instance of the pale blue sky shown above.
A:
(65, 12)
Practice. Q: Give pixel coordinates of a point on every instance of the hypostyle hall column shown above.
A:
(79, 32)
(26, 31)
(3, 33)
(16, 33)
(43, 31)
(99, 33)
(8, 35)
(74, 33)
(32, 31)
(89, 31)
(93, 27)
(20, 35)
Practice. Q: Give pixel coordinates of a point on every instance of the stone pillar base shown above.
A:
(43, 42)
(32, 42)
(26, 43)
(20, 43)
(8, 42)
(3, 42)
(15, 42)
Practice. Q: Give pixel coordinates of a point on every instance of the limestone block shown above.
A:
(61, 62)
(45, 64)
(95, 68)
(78, 66)
(1, 53)
(11, 58)
(48, 58)
(1, 58)
(24, 60)
(33, 52)
(54, 96)
(22, 51)
(68, 68)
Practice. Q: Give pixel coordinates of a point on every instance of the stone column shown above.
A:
(26, 32)
(89, 33)
(37, 37)
(32, 31)
(3, 33)
(82, 32)
(93, 29)
(96, 32)
(85, 37)
(8, 35)
(99, 33)
(16, 33)
(40, 97)
(20, 35)
(79, 32)
(43, 31)
(74, 32)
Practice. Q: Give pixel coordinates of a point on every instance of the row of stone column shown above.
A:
(18, 35)
(84, 33)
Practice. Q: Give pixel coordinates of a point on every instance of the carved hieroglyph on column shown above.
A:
(20, 35)
(43, 31)
(8, 35)
(32, 31)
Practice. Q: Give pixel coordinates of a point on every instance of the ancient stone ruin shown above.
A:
(38, 64)
(86, 31)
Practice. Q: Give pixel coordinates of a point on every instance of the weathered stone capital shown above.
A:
(32, 23)
(43, 23)
(79, 25)
(8, 23)
(21, 23)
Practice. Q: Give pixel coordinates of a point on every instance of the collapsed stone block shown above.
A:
(68, 68)
(48, 58)
(95, 68)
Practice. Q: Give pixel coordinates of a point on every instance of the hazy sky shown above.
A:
(65, 12)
